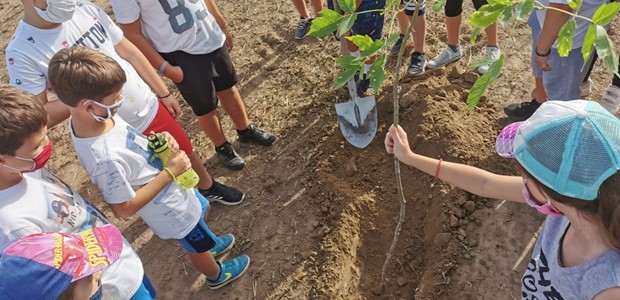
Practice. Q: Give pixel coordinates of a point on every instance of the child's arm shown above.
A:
(471, 179)
(133, 32)
(219, 18)
(177, 164)
(130, 53)
(554, 20)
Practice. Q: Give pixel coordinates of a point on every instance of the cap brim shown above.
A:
(103, 246)
(504, 145)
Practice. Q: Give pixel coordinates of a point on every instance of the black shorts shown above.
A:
(203, 76)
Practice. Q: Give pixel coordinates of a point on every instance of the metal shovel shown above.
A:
(357, 118)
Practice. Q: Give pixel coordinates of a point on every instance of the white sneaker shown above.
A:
(585, 88)
(445, 57)
(492, 53)
(611, 99)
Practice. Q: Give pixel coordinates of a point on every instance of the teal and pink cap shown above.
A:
(43, 265)
(572, 147)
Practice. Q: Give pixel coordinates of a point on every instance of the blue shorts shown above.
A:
(200, 239)
(410, 8)
(145, 291)
(370, 23)
(562, 82)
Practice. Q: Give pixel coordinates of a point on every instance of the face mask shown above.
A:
(545, 209)
(57, 11)
(111, 109)
(38, 161)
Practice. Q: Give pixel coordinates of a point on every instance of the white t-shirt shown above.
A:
(119, 162)
(29, 52)
(184, 25)
(42, 202)
(587, 9)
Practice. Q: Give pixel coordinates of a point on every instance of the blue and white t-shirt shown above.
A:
(42, 202)
(120, 162)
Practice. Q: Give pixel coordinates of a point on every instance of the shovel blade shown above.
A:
(358, 120)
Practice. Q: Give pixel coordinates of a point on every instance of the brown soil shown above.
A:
(319, 215)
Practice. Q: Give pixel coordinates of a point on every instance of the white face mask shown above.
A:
(111, 109)
(57, 11)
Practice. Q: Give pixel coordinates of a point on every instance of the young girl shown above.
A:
(568, 155)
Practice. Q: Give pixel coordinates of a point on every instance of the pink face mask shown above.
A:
(545, 209)
(38, 161)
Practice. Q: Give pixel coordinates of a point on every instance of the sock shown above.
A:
(356, 53)
(367, 68)
(455, 48)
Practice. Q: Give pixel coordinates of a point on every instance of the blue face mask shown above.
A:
(111, 109)
(97, 295)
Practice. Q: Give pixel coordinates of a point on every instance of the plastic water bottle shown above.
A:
(159, 145)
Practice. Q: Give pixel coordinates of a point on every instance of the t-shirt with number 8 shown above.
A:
(173, 25)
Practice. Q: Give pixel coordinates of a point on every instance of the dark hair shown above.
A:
(21, 116)
(605, 208)
(78, 73)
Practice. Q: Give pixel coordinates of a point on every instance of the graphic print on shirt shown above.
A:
(180, 16)
(66, 207)
(534, 281)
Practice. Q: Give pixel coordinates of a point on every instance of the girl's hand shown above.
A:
(178, 163)
(396, 142)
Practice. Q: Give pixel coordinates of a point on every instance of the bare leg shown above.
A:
(491, 32)
(300, 6)
(403, 20)
(453, 29)
(317, 5)
(205, 263)
(539, 91)
(210, 124)
(231, 102)
(205, 179)
(419, 34)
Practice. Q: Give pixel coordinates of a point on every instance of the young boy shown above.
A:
(118, 159)
(27, 191)
(194, 53)
(418, 57)
(49, 27)
(59, 265)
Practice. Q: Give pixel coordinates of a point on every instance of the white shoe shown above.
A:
(445, 57)
(611, 99)
(492, 54)
(586, 88)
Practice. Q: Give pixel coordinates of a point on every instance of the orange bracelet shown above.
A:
(438, 167)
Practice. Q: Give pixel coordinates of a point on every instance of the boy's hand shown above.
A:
(178, 163)
(542, 62)
(229, 39)
(396, 142)
(174, 73)
(172, 105)
(172, 142)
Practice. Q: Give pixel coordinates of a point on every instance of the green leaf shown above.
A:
(565, 37)
(361, 41)
(342, 79)
(486, 15)
(588, 42)
(346, 24)
(371, 50)
(392, 39)
(349, 61)
(506, 16)
(325, 23)
(523, 10)
(605, 49)
(474, 35)
(500, 2)
(438, 5)
(483, 82)
(348, 6)
(604, 14)
(377, 73)
(574, 4)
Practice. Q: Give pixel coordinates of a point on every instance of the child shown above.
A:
(46, 29)
(418, 57)
(452, 52)
(27, 191)
(304, 16)
(58, 265)
(568, 154)
(195, 55)
(118, 159)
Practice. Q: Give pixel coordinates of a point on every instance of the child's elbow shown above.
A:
(121, 210)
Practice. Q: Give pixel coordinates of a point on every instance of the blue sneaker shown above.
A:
(223, 244)
(230, 271)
